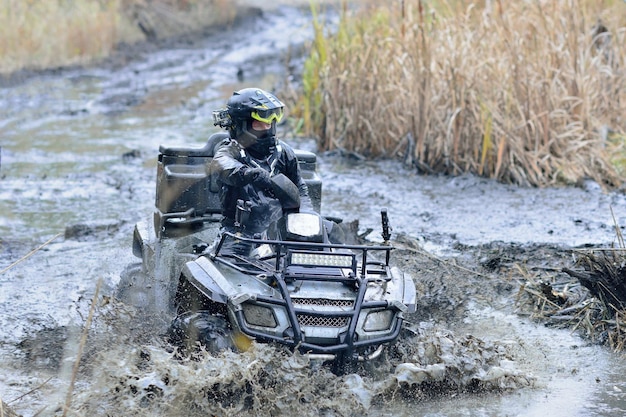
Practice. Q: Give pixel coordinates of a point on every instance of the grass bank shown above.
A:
(526, 92)
(39, 34)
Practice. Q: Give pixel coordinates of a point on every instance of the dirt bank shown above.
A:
(493, 274)
(153, 26)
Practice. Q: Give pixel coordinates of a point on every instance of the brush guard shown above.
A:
(281, 272)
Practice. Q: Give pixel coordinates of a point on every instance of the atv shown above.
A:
(330, 300)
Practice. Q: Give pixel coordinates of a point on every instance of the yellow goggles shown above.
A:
(267, 116)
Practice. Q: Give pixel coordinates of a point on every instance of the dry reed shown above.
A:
(40, 34)
(528, 92)
(81, 346)
(29, 254)
(591, 301)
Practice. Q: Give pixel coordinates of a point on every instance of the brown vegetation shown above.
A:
(42, 34)
(532, 93)
(6, 411)
(591, 301)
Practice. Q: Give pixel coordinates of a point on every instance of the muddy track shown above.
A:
(470, 244)
(492, 274)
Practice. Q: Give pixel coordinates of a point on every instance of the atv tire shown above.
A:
(191, 330)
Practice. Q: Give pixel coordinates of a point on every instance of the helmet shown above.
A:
(250, 104)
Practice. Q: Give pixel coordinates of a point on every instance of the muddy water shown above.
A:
(78, 153)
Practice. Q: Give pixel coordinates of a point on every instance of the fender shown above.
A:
(203, 275)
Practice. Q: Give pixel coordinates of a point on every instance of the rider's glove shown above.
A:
(258, 177)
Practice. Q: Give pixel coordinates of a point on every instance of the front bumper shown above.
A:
(351, 340)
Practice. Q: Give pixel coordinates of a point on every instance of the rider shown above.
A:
(244, 164)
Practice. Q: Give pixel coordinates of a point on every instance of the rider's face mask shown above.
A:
(258, 126)
(250, 136)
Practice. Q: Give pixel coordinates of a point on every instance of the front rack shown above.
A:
(279, 270)
(284, 256)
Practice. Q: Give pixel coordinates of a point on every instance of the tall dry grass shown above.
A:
(38, 34)
(527, 92)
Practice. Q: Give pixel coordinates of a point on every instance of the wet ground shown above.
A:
(77, 171)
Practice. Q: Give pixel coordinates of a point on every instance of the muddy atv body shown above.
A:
(329, 300)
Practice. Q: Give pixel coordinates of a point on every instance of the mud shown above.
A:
(78, 170)
(149, 379)
(444, 357)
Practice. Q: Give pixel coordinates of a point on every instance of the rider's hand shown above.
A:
(258, 177)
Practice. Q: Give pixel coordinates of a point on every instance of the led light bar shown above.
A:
(322, 259)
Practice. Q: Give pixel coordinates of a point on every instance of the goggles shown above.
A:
(268, 115)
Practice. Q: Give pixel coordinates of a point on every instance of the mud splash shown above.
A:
(146, 377)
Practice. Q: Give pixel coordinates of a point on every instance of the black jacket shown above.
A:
(230, 164)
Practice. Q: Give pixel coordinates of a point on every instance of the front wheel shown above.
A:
(193, 329)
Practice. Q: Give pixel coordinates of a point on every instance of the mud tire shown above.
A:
(133, 286)
(195, 329)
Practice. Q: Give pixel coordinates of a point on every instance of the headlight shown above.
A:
(304, 225)
(378, 320)
(322, 259)
(257, 315)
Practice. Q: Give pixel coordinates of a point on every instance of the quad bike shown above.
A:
(332, 301)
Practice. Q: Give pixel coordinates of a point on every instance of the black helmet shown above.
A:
(248, 105)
